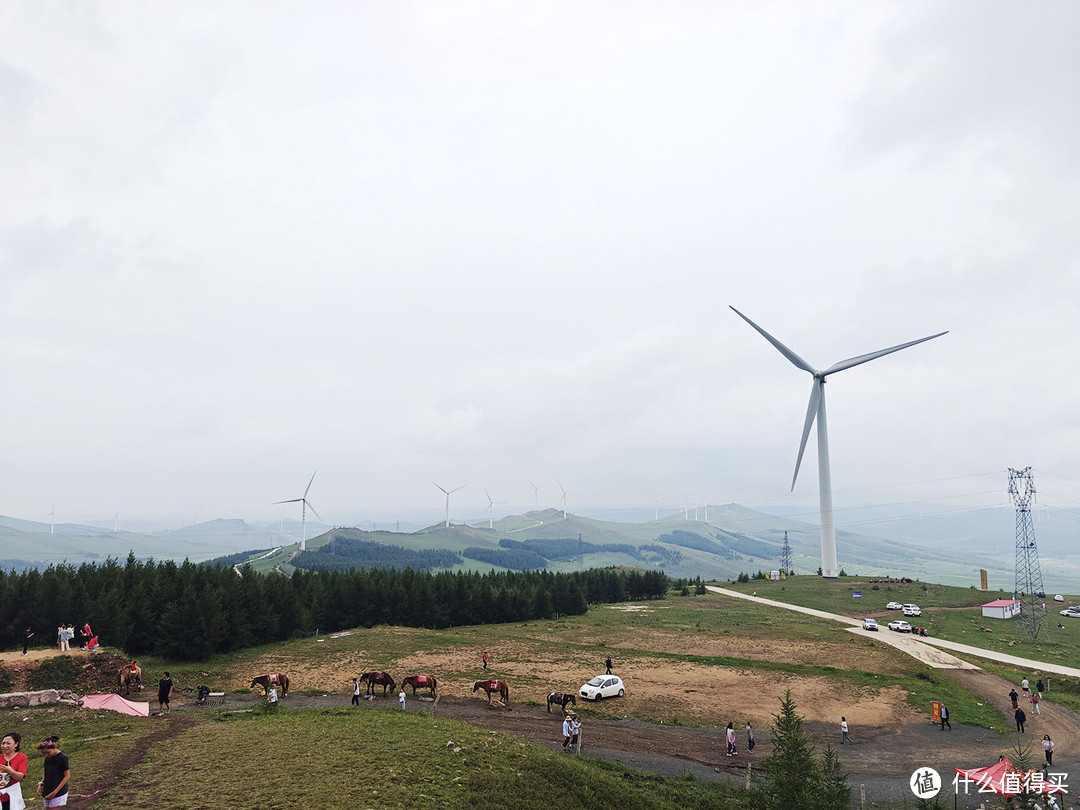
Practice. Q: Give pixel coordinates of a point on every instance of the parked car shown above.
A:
(900, 626)
(912, 610)
(1058, 597)
(1072, 612)
(603, 686)
(893, 606)
(869, 624)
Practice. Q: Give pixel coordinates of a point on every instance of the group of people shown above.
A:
(65, 633)
(571, 729)
(53, 787)
(1034, 697)
(731, 750)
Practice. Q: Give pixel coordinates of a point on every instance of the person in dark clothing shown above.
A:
(27, 635)
(1021, 718)
(1014, 697)
(945, 717)
(355, 692)
(164, 694)
(1039, 688)
(53, 787)
(607, 663)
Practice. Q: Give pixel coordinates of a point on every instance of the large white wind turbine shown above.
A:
(536, 495)
(304, 506)
(448, 491)
(491, 509)
(564, 494)
(816, 410)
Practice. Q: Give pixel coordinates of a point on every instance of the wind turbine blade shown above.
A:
(312, 508)
(866, 358)
(440, 488)
(294, 500)
(780, 347)
(488, 496)
(455, 489)
(309, 483)
(811, 413)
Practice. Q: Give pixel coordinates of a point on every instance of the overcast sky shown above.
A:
(488, 243)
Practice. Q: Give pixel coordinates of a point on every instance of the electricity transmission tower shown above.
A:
(785, 556)
(1029, 582)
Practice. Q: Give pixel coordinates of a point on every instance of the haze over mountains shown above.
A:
(919, 542)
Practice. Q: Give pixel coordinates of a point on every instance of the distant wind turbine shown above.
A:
(656, 508)
(116, 523)
(448, 491)
(52, 521)
(816, 410)
(563, 501)
(536, 495)
(304, 506)
(491, 509)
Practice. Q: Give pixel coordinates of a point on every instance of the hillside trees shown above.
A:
(190, 612)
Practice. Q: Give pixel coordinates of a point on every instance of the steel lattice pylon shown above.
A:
(785, 556)
(1029, 582)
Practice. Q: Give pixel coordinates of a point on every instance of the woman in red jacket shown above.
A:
(13, 765)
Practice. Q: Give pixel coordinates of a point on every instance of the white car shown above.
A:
(900, 627)
(1058, 597)
(869, 624)
(912, 610)
(603, 686)
(893, 606)
(1072, 612)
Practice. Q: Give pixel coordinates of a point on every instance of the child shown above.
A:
(54, 787)
(401, 698)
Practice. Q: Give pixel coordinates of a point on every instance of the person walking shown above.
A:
(844, 738)
(1039, 688)
(484, 659)
(567, 733)
(1014, 698)
(749, 737)
(164, 693)
(1021, 718)
(1048, 750)
(730, 739)
(607, 663)
(1035, 703)
(945, 717)
(60, 637)
(27, 635)
(401, 698)
(575, 732)
(355, 692)
(1024, 685)
(53, 788)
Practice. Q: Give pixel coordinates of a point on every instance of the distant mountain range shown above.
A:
(917, 542)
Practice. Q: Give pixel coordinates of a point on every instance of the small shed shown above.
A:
(1001, 609)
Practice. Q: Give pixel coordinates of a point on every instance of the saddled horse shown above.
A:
(419, 682)
(130, 674)
(494, 686)
(560, 699)
(373, 679)
(273, 679)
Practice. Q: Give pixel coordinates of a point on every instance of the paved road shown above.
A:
(930, 651)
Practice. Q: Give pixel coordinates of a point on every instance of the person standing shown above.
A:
(749, 737)
(844, 738)
(607, 663)
(1014, 698)
(567, 733)
(945, 717)
(355, 692)
(13, 766)
(271, 696)
(1021, 718)
(575, 732)
(53, 788)
(401, 698)
(60, 634)
(1025, 686)
(1035, 703)
(730, 739)
(27, 635)
(484, 659)
(1039, 688)
(164, 694)
(87, 635)
(1048, 750)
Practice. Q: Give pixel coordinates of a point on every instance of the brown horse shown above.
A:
(373, 679)
(421, 681)
(494, 686)
(560, 699)
(273, 679)
(130, 674)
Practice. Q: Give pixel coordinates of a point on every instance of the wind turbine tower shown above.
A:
(564, 494)
(491, 510)
(536, 495)
(304, 506)
(447, 525)
(815, 410)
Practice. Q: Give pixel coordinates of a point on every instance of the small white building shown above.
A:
(1001, 609)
